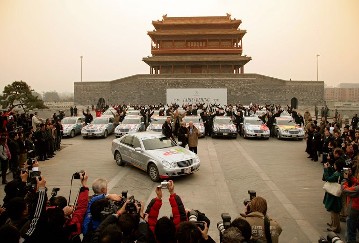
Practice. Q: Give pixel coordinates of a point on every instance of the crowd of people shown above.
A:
(336, 147)
(28, 215)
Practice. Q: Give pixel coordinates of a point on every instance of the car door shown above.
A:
(111, 126)
(126, 148)
(78, 125)
(139, 157)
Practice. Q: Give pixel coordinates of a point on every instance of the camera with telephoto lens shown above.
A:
(114, 206)
(331, 238)
(31, 179)
(77, 175)
(247, 202)
(224, 224)
(193, 217)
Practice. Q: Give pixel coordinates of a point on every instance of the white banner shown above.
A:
(193, 96)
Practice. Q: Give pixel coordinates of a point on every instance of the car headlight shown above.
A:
(168, 165)
(196, 160)
(249, 130)
(216, 129)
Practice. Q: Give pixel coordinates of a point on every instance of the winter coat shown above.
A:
(256, 220)
(332, 203)
(193, 136)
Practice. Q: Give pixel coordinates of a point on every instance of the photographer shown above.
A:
(74, 215)
(124, 225)
(99, 187)
(351, 191)
(263, 228)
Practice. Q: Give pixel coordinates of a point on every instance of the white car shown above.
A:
(71, 126)
(152, 152)
(130, 124)
(254, 127)
(99, 127)
(156, 123)
(285, 127)
(223, 127)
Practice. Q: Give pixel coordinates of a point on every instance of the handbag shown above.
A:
(333, 188)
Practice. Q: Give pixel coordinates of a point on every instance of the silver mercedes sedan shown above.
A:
(152, 152)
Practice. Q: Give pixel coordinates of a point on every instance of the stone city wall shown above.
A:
(246, 88)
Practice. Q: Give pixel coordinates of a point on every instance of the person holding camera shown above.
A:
(351, 191)
(263, 228)
(99, 187)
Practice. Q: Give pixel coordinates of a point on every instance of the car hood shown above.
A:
(155, 126)
(224, 126)
(287, 127)
(173, 154)
(95, 126)
(127, 126)
(67, 126)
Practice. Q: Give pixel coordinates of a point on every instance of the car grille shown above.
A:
(157, 130)
(90, 130)
(224, 130)
(185, 163)
(124, 130)
(293, 132)
(258, 131)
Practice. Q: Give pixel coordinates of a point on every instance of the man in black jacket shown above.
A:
(167, 128)
(88, 117)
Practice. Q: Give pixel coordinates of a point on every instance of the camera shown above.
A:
(331, 238)
(163, 185)
(53, 195)
(77, 175)
(224, 224)
(247, 202)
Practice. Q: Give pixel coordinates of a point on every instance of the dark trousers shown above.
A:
(193, 149)
(4, 167)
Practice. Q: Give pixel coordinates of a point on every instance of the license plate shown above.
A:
(187, 171)
(224, 134)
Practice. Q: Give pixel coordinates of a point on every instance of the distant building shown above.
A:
(211, 44)
(199, 53)
(345, 92)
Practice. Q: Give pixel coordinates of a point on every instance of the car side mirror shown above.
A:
(138, 149)
(179, 143)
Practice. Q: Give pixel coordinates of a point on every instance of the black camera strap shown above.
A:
(267, 229)
(72, 179)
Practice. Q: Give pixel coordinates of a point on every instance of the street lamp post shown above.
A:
(318, 67)
(81, 67)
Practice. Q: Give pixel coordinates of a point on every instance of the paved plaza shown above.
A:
(277, 170)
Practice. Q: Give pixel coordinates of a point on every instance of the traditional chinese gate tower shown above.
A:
(210, 44)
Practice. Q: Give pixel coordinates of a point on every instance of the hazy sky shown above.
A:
(41, 41)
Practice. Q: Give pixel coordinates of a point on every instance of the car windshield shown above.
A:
(131, 121)
(110, 112)
(158, 143)
(253, 122)
(158, 121)
(69, 121)
(100, 121)
(285, 122)
(223, 121)
(194, 119)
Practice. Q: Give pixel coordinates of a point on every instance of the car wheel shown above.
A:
(118, 159)
(153, 172)
(84, 137)
(244, 135)
(105, 134)
(72, 133)
(278, 135)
